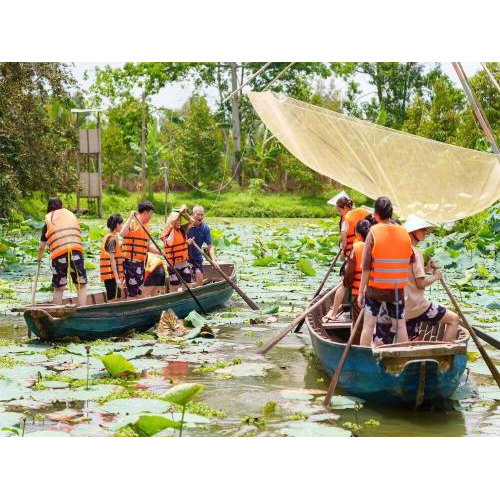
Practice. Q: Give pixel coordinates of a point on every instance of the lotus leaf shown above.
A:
(305, 266)
(12, 390)
(117, 365)
(149, 425)
(246, 370)
(23, 372)
(343, 402)
(48, 433)
(10, 419)
(181, 394)
(310, 429)
(83, 394)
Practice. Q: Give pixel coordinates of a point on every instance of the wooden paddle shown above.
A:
(340, 366)
(482, 350)
(177, 273)
(241, 293)
(297, 320)
(322, 284)
(35, 284)
(487, 338)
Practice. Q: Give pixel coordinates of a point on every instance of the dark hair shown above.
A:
(363, 227)
(54, 204)
(383, 207)
(114, 220)
(371, 219)
(145, 206)
(344, 202)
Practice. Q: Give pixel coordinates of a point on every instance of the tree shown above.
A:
(199, 144)
(34, 149)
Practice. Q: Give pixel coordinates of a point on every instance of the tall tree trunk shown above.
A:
(236, 126)
(143, 144)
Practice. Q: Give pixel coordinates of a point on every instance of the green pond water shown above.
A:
(272, 395)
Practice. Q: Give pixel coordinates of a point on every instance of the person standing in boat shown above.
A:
(176, 242)
(62, 233)
(387, 256)
(135, 247)
(155, 277)
(349, 217)
(200, 232)
(111, 261)
(418, 309)
(353, 270)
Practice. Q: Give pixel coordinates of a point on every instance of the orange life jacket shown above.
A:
(391, 255)
(63, 233)
(105, 261)
(358, 258)
(178, 251)
(136, 243)
(153, 263)
(352, 218)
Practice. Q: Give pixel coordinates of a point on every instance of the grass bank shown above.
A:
(239, 203)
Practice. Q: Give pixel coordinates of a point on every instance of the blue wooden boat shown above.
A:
(101, 319)
(397, 374)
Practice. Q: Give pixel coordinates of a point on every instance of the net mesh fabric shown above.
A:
(436, 181)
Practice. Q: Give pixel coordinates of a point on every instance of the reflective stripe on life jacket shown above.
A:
(391, 255)
(136, 243)
(63, 233)
(352, 218)
(178, 251)
(153, 263)
(106, 271)
(358, 258)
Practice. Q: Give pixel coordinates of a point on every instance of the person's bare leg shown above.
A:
(369, 323)
(450, 319)
(337, 302)
(402, 333)
(58, 295)
(82, 295)
(198, 278)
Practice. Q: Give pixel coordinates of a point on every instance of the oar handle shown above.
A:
(242, 294)
(177, 273)
(482, 350)
(340, 366)
(35, 284)
(297, 320)
(322, 284)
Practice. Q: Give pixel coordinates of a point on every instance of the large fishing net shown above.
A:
(437, 181)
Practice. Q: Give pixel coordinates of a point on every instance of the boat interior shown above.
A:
(339, 331)
(210, 276)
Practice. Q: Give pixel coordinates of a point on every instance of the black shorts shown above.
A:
(197, 265)
(59, 268)
(432, 316)
(112, 290)
(386, 314)
(134, 276)
(156, 278)
(186, 274)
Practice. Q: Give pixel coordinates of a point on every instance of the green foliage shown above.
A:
(117, 365)
(181, 394)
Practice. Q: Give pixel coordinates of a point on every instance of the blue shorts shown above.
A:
(197, 265)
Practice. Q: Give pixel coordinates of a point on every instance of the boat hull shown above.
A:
(399, 383)
(117, 318)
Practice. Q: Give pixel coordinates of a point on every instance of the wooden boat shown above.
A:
(408, 373)
(101, 319)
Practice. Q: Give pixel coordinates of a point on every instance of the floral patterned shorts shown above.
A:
(432, 316)
(134, 276)
(59, 268)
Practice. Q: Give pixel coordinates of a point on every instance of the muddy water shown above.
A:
(289, 375)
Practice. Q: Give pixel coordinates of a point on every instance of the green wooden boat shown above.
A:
(101, 319)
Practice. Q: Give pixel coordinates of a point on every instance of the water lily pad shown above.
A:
(83, 394)
(23, 372)
(288, 394)
(194, 320)
(48, 433)
(489, 393)
(311, 429)
(149, 364)
(55, 384)
(137, 352)
(10, 419)
(67, 416)
(324, 417)
(12, 390)
(479, 367)
(81, 373)
(165, 350)
(464, 391)
(246, 370)
(305, 266)
(31, 358)
(88, 430)
(130, 406)
(26, 404)
(343, 402)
